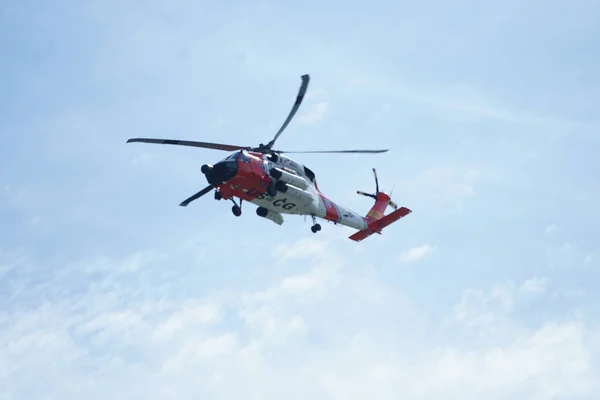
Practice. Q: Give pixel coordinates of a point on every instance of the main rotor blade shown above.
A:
(376, 181)
(299, 98)
(196, 196)
(215, 146)
(335, 151)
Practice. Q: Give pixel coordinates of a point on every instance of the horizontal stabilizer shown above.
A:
(377, 225)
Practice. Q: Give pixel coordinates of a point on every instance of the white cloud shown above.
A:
(553, 360)
(186, 318)
(488, 311)
(534, 286)
(416, 253)
(316, 333)
(216, 346)
(303, 248)
(299, 283)
(103, 328)
(306, 287)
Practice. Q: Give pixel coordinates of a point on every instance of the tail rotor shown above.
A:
(376, 219)
(377, 193)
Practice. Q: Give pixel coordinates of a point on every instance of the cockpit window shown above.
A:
(231, 157)
(309, 174)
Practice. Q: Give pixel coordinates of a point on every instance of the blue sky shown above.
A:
(488, 289)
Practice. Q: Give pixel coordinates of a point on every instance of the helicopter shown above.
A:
(278, 185)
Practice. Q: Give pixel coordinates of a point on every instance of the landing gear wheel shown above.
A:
(236, 210)
(316, 227)
(218, 196)
(271, 191)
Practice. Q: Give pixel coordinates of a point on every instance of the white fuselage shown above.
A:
(307, 201)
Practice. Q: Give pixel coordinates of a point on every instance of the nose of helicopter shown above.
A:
(221, 172)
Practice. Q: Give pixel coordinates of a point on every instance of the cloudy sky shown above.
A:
(489, 289)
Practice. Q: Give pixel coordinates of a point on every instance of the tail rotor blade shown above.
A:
(366, 194)
(376, 181)
(393, 205)
(196, 196)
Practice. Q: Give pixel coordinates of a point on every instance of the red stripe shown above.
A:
(331, 212)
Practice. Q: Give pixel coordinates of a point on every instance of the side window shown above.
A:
(309, 174)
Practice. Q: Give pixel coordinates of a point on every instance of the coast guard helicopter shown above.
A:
(279, 185)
